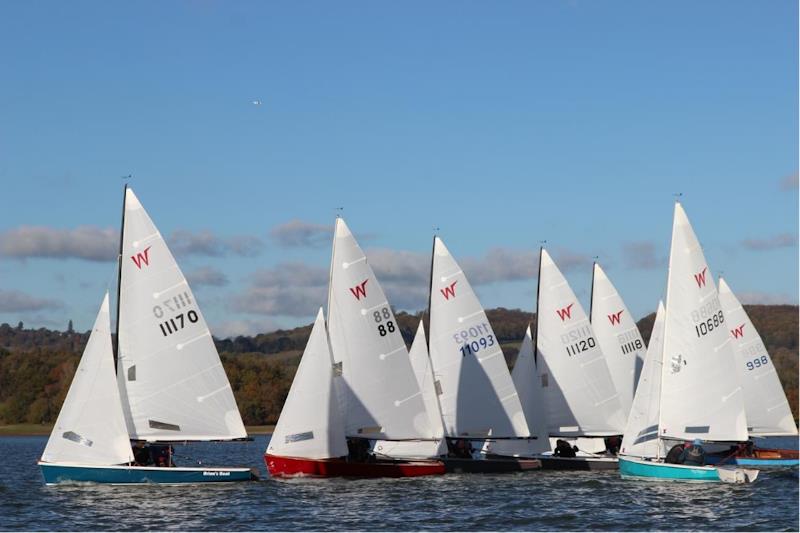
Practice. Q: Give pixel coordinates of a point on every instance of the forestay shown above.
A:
(310, 424)
(765, 403)
(90, 428)
(579, 395)
(477, 398)
(701, 397)
(378, 390)
(641, 433)
(617, 335)
(170, 376)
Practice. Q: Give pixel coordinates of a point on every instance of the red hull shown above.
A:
(773, 453)
(297, 466)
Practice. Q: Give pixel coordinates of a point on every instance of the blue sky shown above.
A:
(503, 124)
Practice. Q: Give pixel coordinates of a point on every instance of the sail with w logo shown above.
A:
(449, 291)
(581, 398)
(360, 290)
(766, 406)
(700, 278)
(617, 335)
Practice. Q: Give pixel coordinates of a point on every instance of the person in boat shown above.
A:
(462, 448)
(162, 456)
(674, 454)
(693, 454)
(141, 454)
(563, 449)
(359, 450)
(612, 444)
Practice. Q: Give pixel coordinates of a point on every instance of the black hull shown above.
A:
(455, 465)
(579, 463)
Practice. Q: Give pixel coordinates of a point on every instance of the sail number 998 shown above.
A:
(757, 362)
(384, 328)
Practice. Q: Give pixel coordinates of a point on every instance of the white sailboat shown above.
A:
(699, 395)
(580, 397)
(170, 384)
(480, 408)
(617, 335)
(380, 397)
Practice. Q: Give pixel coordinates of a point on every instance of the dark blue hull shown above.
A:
(61, 473)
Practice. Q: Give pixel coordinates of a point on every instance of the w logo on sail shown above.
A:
(701, 278)
(447, 292)
(614, 317)
(565, 312)
(360, 290)
(142, 257)
(738, 332)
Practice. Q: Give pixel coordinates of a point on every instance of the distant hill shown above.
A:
(36, 366)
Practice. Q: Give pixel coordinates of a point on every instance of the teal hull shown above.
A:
(119, 475)
(639, 469)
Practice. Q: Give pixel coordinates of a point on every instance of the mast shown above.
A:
(591, 291)
(536, 327)
(430, 291)
(119, 275)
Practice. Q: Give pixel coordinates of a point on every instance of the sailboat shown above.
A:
(169, 386)
(309, 438)
(376, 398)
(689, 389)
(617, 335)
(480, 410)
(767, 409)
(580, 398)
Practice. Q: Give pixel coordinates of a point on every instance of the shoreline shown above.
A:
(35, 430)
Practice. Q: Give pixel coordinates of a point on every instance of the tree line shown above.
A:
(36, 365)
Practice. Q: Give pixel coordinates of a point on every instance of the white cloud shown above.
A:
(207, 276)
(206, 243)
(790, 182)
(784, 240)
(19, 302)
(766, 298)
(85, 242)
(297, 233)
(235, 328)
(642, 255)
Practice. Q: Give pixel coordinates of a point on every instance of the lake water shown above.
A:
(573, 501)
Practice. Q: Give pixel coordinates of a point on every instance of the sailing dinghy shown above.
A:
(480, 410)
(689, 389)
(309, 438)
(765, 403)
(580, 399)
(170, 384)
(387, 429)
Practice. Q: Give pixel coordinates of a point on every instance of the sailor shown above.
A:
(141, 454)
(563, 449)
(693, 454)
(674, 454)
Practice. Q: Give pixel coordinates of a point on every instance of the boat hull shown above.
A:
(490, 465)
(763, 458)
(300, 467)
(550, 462)
(640, 469)
(55, 473)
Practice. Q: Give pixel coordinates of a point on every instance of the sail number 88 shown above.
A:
(380, 316)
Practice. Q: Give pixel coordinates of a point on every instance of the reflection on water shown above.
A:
(575, 501)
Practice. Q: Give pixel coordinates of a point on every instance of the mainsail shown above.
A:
(477, 398)
(378, 391)
(170, 376)
(90, 428)
(579, 393)
(701, 397)
(765, 403)
(310, 424)
(641, 433)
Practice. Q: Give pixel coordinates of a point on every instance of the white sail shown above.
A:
(641, 433)
(766, 406)
(701, 396)
(310, 425)
(170, 375)
(379, 394)
(529, 388)
(90, 428)
(477, 398)
(579, 393)
(617, 335)
(423, 371)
